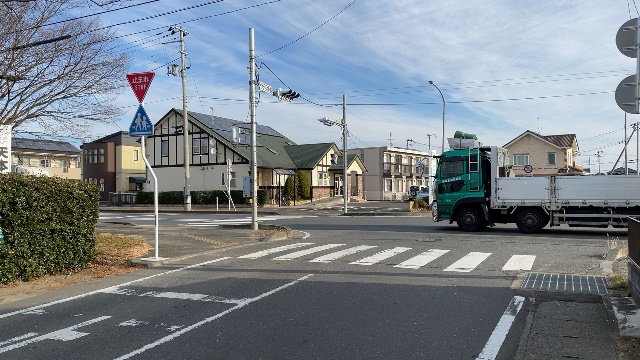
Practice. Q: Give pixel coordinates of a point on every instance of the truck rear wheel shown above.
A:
(471, 219)
(531, 221)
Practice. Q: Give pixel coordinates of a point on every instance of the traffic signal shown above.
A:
(286, 94)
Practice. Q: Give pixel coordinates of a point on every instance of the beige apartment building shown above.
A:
(60, 158)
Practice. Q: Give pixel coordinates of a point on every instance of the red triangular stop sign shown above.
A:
(140, 83)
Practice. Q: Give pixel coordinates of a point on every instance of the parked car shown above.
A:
(419, 192)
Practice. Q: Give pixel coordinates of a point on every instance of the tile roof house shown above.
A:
(60, 158)
(548, 155)
(216, 142)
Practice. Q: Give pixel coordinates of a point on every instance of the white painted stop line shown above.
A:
(519, 263)
(468, 262)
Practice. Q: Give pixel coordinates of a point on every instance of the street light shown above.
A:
(443, 108)
(343, 125)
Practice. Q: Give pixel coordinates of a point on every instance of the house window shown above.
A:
(199, 146)
(135, 155)
(164, 147)
(399, 185)
(323, 178)
(232, 179)
(520, 160)
(95, 156)
(551, 158)
(101, 157)
(45, 162)
(65, 166)
(388, 184)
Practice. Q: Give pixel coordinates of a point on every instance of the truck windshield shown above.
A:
(450, 169)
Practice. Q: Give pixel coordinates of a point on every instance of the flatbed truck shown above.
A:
(475, 188)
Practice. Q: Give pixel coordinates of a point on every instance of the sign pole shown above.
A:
(155, 194)
(141, 126)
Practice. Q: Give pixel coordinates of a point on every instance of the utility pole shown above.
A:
(599, 155)
(429, 137)
(345, 190)
(252, 115)
(185, 115)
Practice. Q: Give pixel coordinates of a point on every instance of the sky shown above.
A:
(503, 67)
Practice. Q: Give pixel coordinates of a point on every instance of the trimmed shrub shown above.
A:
(289, 189)
(420, 205)
(48, 226)
(304, 187)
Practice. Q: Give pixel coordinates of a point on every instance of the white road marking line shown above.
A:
(376, 258)
(278, 249)
(493, 345)
(519, 263)
(305, 252)
(18, 338)
(306, 235)
(468, 262)
(338, 254)
(175, 295)
(210, 319)
(133, 322)
(421, 260)
(65, 334)
(109, 289)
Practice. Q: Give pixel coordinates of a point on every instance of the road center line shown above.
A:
(109, 289)
(210, 319)
(492, 347)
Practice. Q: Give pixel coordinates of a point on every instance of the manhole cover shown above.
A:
(566, 283)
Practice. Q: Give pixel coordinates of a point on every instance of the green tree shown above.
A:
(289, 190)
(304, 188)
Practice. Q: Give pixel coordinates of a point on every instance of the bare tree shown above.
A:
(56, 73)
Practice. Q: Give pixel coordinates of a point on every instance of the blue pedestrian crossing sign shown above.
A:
(141, 125)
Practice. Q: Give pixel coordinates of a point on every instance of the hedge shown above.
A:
(48, 226)
(207, 197)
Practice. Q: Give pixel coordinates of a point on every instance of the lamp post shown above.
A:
(343, 125)
(443, 109)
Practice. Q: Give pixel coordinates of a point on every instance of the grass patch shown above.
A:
(617, 282)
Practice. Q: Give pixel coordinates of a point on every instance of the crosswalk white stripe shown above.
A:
(373, 259)
(519, 262)
(468, 262)
(304, 252)
(421, 260)
(338, 254)
(262, 253)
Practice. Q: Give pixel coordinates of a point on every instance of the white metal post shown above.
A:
(155, 192)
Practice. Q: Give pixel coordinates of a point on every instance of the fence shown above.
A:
(634, 258)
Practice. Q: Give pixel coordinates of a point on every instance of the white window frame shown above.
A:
(323, 178)
(164, 148)
(388, 184)
(520, 159)
(555, 158)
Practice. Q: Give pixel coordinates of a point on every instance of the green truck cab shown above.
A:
(462, 188)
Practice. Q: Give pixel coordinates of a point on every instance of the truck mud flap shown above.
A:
(485, 210)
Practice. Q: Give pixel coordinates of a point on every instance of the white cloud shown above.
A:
(547, 52)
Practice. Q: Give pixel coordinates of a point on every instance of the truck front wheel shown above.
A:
(471, 219)
(531, 221)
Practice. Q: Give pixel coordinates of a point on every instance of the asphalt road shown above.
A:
(347, 288)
